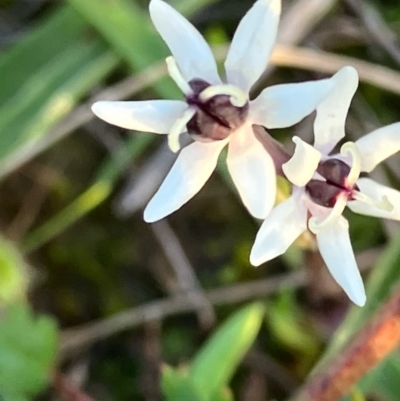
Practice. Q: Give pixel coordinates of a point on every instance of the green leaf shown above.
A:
(177, 386)
(384, 380)
(12, 397)
(287, 324)
(218, 359)
(223, 395)
(13, 273)
(28, 350)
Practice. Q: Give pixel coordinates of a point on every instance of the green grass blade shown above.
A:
(57, 31)
(92, 197)
(127, 28)
(216, 362)
(51, 93)
(48, 71)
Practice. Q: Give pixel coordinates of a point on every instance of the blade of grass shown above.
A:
(52, 35)
(130, 33)
(92, 197)
(47, 72)
(50, 93)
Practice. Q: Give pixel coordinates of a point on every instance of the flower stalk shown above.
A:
(375, 341)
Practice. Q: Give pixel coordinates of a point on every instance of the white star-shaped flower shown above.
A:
(324, 185)
(217, 113)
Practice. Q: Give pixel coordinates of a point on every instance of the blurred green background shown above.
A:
(94, 298)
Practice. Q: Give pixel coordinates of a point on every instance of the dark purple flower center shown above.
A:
(325, 193)
(216, 118)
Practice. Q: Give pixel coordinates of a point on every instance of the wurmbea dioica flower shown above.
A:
(217, 113)
(324, 185)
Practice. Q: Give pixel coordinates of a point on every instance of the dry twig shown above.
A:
(301, 18)
(74, 339)
(87, 334)
(67, 390)
(376, 27)
(317, 60)
(184, 273)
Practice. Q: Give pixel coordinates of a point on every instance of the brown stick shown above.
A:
(74, 339)
(376, 340)
(82, 336)
(67, 389)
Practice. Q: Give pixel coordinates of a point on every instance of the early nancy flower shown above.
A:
(324, 185)
(216, 113)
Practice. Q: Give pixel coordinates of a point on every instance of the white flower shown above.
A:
(216, 113)
(324, 185)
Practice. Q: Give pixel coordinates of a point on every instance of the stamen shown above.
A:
(179, 128)
(383, 204)
(350, 149)
(315, 225)
(238, 98)
(176, 75)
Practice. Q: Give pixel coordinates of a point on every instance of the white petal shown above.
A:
(252, 171)
(301, 167)
(187, 45)
(280, 229)
(335, 247)
(284, 105)
(157, 116)
(331, 113)
(378, 146)
(376, 191)
(252, 44)
(187, 176)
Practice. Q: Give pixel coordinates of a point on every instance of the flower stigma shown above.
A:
(237, 97)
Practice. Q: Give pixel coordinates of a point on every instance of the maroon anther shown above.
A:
(216, 118)
(325, 193)
(322, 193)
(334, 171)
